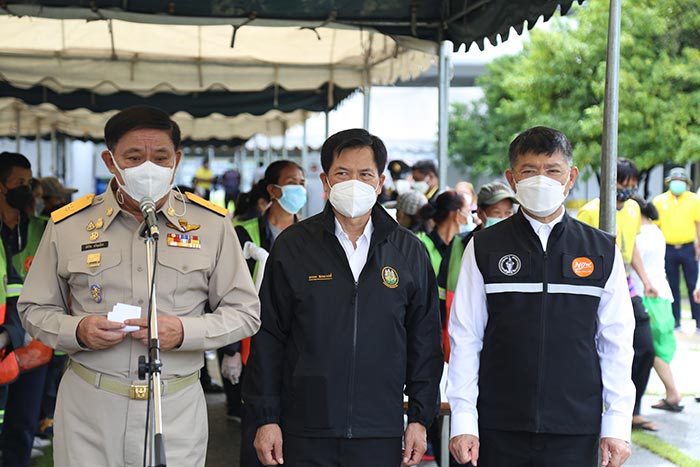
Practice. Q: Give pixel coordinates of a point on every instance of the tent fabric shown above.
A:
(198, 105)
(459, 21)
(112, 55)
(84, 124)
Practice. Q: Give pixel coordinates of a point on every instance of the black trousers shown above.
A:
(523, 449)
(341, 452)
(643, 345)
(22, 417)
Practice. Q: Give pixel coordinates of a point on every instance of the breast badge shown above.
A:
(582, 266)
(390, 278)
(183, 241)
(96, 293)
(509, 265)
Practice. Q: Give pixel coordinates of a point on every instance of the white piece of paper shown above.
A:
(121, 312)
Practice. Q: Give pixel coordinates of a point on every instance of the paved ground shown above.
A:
(682, 430)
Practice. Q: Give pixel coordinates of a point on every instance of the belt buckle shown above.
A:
(677, 247)
(138, 392)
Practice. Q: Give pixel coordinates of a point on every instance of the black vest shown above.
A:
(539, 369)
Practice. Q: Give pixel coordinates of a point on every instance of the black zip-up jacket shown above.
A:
(539, 369)
(333, 356)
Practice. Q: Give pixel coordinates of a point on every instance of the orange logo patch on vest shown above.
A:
(582, 266)
(28, 263)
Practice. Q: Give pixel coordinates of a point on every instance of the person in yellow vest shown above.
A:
(679, 220)
(93, 252)
(284, 188)
(628, 224)
(21, 232)
(203, 180)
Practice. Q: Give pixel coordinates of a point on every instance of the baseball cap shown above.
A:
(410, 202)
(52, 187)
(492, 193)
(677, 173)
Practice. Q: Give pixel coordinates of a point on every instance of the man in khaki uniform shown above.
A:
(92, 256)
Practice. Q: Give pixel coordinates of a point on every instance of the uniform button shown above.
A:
(140, 301)
(139, 269)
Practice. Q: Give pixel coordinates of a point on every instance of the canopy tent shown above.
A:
(197, 104)
(81, 123)
(458, 21)
(108, 56)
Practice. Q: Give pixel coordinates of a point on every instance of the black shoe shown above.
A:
(212, 388)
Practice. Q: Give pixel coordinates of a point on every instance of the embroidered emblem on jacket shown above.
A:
(390, 277)
(509, 265)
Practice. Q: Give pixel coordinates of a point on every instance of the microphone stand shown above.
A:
(154, 364)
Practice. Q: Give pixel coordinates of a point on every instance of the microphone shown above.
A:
(148, 209)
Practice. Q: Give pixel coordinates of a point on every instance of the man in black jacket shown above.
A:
(350, 321)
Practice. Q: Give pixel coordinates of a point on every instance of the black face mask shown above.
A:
(19, 197)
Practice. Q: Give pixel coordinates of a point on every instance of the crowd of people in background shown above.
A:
(655, 238)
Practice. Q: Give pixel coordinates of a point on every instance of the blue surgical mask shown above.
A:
(464, 228)
(677, 187)
(293, 198)
(492, 221)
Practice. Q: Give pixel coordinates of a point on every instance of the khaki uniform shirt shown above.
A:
(93, 259)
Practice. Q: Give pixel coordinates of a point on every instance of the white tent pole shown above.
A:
(365, 106)
(18, 135)
(38, 148)
(284, 140)
(443, 102)
(608, 176)
(54, 150)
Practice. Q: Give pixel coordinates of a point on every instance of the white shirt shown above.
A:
(651, 244)
(357, 257)
(466, 327)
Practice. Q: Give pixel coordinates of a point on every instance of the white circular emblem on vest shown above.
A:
(509, 265)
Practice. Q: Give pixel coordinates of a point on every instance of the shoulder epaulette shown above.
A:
(68, 210)
(206, 204)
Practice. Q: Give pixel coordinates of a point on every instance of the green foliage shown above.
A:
(558, 80)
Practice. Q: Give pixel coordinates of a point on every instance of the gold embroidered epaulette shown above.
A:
(206, 204)
(68, 210)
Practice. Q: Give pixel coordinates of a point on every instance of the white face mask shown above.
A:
(421, 186)
(540, 195)
(352, 198)
(147, 180)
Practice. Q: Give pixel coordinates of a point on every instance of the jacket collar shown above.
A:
(383, 223)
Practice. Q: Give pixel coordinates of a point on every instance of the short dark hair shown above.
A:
(353, 138)
(540, 140)
(9, 160)
(626, 169)
(426, 167)
(445, 203)
(647, 208)
(140, 117)
(272, 175)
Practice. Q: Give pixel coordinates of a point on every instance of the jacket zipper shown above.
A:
(540, 362)
(353, 358)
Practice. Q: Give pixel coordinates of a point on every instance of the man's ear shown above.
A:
(511, 179)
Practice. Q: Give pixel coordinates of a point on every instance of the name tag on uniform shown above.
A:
(93, 246)
(183, 240)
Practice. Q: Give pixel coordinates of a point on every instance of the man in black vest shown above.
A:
(541, 329)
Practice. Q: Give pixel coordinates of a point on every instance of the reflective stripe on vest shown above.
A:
(537, 287)
(13, 290)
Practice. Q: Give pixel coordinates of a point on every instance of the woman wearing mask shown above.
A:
(283, 187)
(451, 216)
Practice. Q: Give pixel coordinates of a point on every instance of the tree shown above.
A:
(558, 80)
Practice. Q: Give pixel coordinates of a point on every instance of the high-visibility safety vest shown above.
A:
(252, 227)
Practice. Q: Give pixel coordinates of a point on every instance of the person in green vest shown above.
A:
(495, 202)
(283, 187)
(21, 232)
